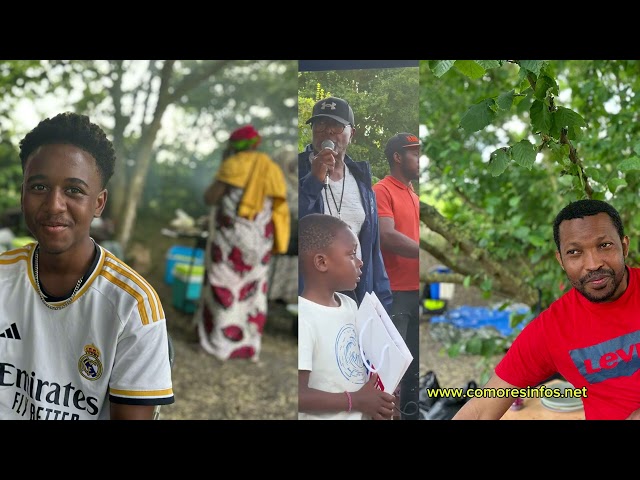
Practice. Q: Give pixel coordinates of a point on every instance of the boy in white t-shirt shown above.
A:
(332, 378)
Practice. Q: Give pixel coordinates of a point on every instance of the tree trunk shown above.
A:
(167, 94)
(118, 183)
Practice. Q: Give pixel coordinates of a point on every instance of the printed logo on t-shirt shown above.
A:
(11, 332)
(618, 357)
(348, 355)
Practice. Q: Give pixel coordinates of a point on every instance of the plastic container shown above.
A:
(441, 291)
(179, 254)
(187, 286)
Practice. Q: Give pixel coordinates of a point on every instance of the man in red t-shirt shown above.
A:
(399, 225)
(591, 334)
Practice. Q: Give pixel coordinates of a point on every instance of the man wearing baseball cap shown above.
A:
(399, 216)
(332, 108)
(332, 183)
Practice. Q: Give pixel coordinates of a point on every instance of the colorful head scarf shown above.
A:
(244, 138)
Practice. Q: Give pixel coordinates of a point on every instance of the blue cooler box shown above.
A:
(186, 288)
(179, 254)
(441, 291)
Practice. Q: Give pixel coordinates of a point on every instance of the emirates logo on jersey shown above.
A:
(89, 364)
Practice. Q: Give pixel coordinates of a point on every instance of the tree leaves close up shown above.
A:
(507, 148)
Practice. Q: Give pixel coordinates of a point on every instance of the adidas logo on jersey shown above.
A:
(11, 332)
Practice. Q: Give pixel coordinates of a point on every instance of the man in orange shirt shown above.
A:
(399, 217)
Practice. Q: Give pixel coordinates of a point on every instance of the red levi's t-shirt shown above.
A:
(400, 202)
(592, 345)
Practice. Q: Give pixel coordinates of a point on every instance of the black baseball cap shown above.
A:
(400, 141)
(335, 108)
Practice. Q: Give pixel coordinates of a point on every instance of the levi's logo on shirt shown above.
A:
(618, 357)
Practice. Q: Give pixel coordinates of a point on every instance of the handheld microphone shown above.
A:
(330, 145)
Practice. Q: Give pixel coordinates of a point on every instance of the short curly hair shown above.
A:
(317, 231)
(74, 129)
(586, 208)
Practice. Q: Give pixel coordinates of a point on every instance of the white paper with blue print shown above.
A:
(382, 348)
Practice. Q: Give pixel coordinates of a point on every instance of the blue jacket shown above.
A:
(374, 276)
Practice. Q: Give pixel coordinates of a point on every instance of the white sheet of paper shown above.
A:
(383, 349)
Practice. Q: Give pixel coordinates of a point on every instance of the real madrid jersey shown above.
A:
(108, 345)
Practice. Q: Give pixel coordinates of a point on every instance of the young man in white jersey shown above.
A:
(82, 335)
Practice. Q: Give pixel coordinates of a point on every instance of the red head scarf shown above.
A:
(244, 137)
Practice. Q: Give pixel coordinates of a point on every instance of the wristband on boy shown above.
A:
(349, 398)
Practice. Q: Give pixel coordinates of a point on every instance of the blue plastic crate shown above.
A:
(181, 254)
(186, 289)
(438, 291)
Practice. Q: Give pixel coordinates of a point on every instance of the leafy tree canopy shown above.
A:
(509, 143)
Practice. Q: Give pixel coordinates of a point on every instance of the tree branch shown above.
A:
(573, 156)
(472, 259)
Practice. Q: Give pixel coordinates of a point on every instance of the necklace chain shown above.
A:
(338, 208)
(42, 297)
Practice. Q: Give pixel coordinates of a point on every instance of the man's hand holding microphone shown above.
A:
(323, 163)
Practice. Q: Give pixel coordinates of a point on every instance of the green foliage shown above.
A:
(18, 79)
(524, 153)
(533, 66)
(505, 100)
(541, 120)
(499, 161)
(545, 87)
(10, 177)
(440, 67)
(122, 96)
(629, 164)
(470, 68)
(479, 116)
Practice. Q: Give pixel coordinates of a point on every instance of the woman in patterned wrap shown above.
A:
(249, 221)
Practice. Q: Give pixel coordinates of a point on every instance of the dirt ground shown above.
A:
(451, 371)
(208, 389)
(239, 389)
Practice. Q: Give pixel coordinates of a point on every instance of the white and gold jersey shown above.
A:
(108, 345)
